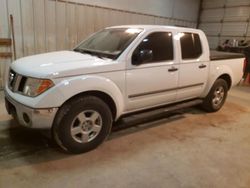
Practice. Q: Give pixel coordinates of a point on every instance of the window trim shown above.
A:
(154, 62)
(191, 58)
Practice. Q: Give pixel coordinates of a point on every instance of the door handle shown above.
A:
(173, 69)
(202, 66)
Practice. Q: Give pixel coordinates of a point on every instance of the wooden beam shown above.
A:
(5, 54)
(5, 42)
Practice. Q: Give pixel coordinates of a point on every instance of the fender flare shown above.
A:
(220, 71)
(70, 87)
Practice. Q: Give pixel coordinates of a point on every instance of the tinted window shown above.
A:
(161, 45)
(190, 46)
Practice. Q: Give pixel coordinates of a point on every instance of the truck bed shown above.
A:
(216, 55)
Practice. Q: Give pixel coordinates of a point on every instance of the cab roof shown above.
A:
(153, 27)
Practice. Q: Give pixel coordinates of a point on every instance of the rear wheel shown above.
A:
(82, 124)
(216, 97)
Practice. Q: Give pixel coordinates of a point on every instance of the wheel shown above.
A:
(82, 124)
(216, 97)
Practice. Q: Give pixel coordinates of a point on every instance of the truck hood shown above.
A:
(61, 64)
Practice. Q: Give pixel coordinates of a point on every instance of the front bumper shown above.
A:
(29, 117)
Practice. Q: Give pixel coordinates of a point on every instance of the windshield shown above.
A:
(108, 43)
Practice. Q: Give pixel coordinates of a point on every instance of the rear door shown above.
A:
(155, 82)
(193, 69)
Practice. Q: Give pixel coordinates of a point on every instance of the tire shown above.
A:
(82, 124)
(216, 96)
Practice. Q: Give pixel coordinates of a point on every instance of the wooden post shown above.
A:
(13, 35)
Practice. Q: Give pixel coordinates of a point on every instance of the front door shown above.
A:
(154, 81)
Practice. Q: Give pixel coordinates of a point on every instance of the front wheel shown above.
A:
(216, 97)
(82, 124)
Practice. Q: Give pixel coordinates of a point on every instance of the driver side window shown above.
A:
(158, 45)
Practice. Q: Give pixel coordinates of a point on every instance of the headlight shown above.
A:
(34, 87)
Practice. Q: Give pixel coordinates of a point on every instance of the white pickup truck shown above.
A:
(120, 70)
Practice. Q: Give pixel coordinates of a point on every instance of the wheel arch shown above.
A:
(227, 78)
(100, 94)
(224, 76)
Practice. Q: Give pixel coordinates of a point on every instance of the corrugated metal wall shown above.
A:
(49, 25)
(225, 19)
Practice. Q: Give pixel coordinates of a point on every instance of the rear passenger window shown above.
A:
(190, 46)
(160, 43)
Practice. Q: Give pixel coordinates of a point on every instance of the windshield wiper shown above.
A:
(88, 52)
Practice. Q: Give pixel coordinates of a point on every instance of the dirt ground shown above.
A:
(190, 148)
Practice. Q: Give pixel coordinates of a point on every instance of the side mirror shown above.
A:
(142, 56)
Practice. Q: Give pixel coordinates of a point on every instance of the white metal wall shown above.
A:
(225, 19)
(182, 9)
(49, 25)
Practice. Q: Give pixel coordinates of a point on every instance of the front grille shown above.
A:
(22, 83)
(16, 82)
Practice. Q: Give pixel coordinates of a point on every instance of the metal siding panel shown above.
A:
(60, 26)
(150, 20)
(160, 7)
(211, 28)
(234, 29)
(213, 3)
(186, 11)
(28, 27)
(39, 26)
(106, 18)
(177, 23)
(102, 18)
(81, 23)
(50, 21)
(90, 20)
(166, 21)
(86, 22)
(237, 3)
(143, 19)
(71, 26)
(123, 18)
(192, 25)
(134, 19)
(212, 15)
(237, 14)
(116, 18)
(4, 64)
(159, 21)
(4, 31)
(234, 17)
(126, 18)
(14, 9)
(99, 21)
(213, 42)
(171, 22)
(183, 23)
